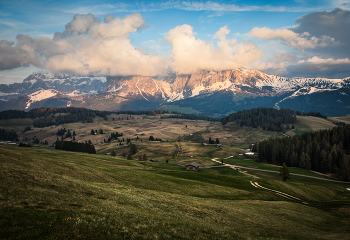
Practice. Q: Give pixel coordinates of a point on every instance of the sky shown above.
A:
(299, 38)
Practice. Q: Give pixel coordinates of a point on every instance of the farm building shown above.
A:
(192, 166)
(153, 160)
(204, 144)
(218, 145)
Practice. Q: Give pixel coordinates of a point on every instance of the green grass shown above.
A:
(51, 194)
(173, 108)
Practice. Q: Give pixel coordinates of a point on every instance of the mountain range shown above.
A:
(212, 93)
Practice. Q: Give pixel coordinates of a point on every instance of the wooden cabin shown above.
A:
(192, 166)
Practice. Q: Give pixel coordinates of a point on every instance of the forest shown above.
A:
(190, 116)
(75, 146)
(270, 119)
(8, 136)
(322, 151)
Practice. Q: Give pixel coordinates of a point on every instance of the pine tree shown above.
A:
(144, 158)
(129, 157)
(113, 154)
(284, 172)
(305, 161)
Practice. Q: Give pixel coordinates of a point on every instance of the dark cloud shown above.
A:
(335, 24)
(13, 57)
(322, 70)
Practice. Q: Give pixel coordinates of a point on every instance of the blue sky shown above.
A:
(289, 38)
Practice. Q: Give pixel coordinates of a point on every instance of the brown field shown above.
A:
(345, 119)
(184, 136)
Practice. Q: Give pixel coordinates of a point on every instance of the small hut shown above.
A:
(192, 166)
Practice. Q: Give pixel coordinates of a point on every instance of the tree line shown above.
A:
(189, 116)
(322, 151)
(114, 136)
(75, 146)
(148, 112)
(270, 119)
(8, 135)
(311, 113)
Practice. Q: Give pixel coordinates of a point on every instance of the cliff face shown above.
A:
(176, 87)
(147, 92)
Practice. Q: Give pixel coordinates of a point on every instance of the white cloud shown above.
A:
(292, 39)
(87, 46)
(325, 62)
(190, 54)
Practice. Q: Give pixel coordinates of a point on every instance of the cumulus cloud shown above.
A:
(292, 39)
(190, 54)
(86, 46)
(322, 41)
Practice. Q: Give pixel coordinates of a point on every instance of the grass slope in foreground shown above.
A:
(49, 194)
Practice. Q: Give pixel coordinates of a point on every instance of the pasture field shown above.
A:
(52, 194)
(310, 123)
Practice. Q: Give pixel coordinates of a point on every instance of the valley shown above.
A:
(49, 193)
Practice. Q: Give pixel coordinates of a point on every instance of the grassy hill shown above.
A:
(51, 194)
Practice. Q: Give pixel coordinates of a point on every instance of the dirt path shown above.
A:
(263, 170)
(285, 195)
(233, 167)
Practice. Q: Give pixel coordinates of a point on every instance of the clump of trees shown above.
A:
(311, 113)
(26, 129)
(323, 151)
(8, 135)
(114, 136)
(269, 119)
(75, 146)
(214, 142)
(151, 138)
(189, 116)
(46, 116)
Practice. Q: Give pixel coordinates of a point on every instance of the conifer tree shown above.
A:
(284, 172)
(113, 154)
(129, 157)
(305, 161)
(144, 158)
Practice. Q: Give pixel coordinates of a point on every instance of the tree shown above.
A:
(129, 157)
(151, 138)
(217, 141)
(284, 172)
(92, 132)
(305, 161)
(113, 154)
(144, 158)
(133, 149)
(68, 135)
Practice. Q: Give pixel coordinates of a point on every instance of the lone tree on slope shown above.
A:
(284, 172)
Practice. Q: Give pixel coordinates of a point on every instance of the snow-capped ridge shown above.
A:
(41, 95)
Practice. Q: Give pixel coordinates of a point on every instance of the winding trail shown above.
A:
(263, 170)
(282, 194)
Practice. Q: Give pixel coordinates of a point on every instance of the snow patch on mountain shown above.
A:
(40, 95)
(303, 91)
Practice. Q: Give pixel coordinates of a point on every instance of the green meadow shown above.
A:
(52, 194)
